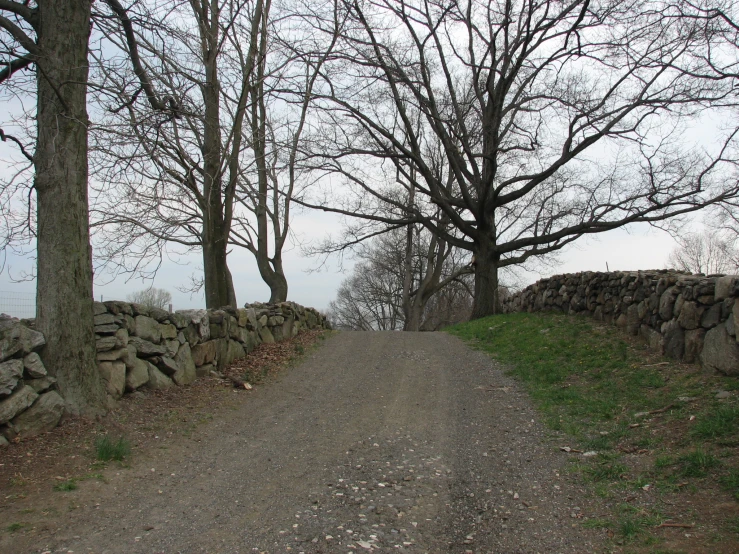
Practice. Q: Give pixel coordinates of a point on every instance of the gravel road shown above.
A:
(382, 442)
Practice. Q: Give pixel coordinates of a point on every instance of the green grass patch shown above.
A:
(108, 450)
(66, 486)
(696, 464)
(730, 482)
(13, 527)
(580, 377)
(721, 422)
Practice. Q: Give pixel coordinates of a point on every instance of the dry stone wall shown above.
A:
(137, 347)
(693, 318)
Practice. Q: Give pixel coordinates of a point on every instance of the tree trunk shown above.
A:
(219, 290)
(64, 282)
(486, 301)
(413, 314)
(273, 276)
(218, 282)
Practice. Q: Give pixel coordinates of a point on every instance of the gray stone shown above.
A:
(166, 365)
(229, 350)
(186, 374)
(137, 376)
(109, 329)
(148, 329)
(112, 355)
(130, 357)
(116, 307)
(266, 335)
(679, 302)
(10, 373)
(251, 317)
(114, 377)
(160, 315)
(18, 338)
(181, 338)
(730, 326)
(179, 320)
(168, 331)
(3, 442)
(720, 351)
(725, 287)
(674, 339)
(654, 338)
(723, 394)
(693, 344)
(104, 319)
(42, 417)
(16, 403)
(735, 316)
(140, 309)
(242, 317)
(146, 348)
(43, 384)
(106, 343)
(98, 308)
(121, 335)
(157, 379)
(199, 322)
(263, 320)
(711, 317)
(172, 347)
(204, 370)
(666, 304)
(690, 315)
(204, 353)
(34, 366)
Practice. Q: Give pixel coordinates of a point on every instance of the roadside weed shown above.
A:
(107, 450)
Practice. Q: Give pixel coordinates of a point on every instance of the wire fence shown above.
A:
(18, 304)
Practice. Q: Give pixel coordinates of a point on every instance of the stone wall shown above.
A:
(688, 317)
(137, 347)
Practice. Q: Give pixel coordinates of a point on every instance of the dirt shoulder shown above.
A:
(376, 441)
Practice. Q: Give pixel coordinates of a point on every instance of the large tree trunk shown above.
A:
(218, 282)
(273, 276)
(486, 301)
(64, 281)
(219, 290)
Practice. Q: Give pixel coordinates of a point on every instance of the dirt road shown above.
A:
(378, 442)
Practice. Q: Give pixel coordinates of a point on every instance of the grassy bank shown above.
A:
(659, 443)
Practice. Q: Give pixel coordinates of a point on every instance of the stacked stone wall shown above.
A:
(137, 347)
(692, 318)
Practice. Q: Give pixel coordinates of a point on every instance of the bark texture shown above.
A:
(64, 283)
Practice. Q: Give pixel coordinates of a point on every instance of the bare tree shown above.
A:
(224, 169)
(51, 38)
(151, 298)
(396, 280)
(706, 252)
(555, 118)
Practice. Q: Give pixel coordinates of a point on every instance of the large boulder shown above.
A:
(186, 373)
(720, 351)
(204, 353)
(10, 373)
(168, 331)
(43, 416)
(16, 338)
(146, 348)
(137, 375)
(34, 366)
(114, 377)
(147, 328)
(43, 384)
(16, 403)
(157, 379)
(266, 335)
(198, 328)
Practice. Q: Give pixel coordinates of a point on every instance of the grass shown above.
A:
(608, 394)
(723, 422)
(66, 486)
(108, 450)
(696, 464)
(13, 527)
